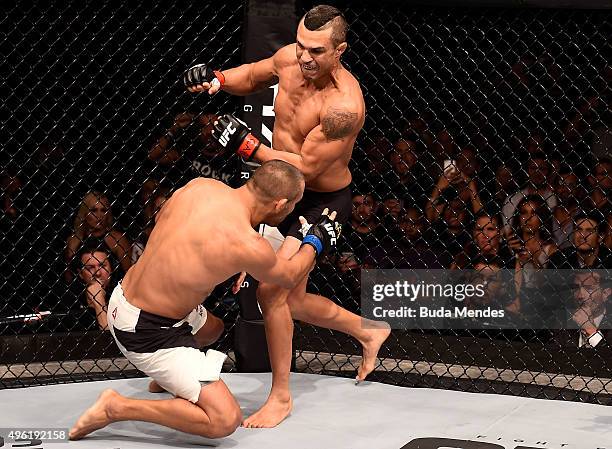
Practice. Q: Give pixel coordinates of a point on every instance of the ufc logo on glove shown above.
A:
(227, 132)
(331, 232)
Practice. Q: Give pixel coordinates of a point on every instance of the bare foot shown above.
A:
(371, 345)
(272, 413)
(95, 417)
(154, 387)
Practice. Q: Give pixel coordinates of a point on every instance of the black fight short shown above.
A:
(312, 206)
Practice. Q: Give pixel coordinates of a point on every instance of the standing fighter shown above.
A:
(203, 236)
(319, 111)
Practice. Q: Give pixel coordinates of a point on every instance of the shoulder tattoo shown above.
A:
(338, 123)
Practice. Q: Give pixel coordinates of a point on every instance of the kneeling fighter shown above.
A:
(203, 236)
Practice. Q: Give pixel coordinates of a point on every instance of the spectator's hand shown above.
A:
(583, 317)
(523, 255)
(443, 183)
(455, 177)
(95, 293)
(514, 307)
(471, 184)
(514, 243)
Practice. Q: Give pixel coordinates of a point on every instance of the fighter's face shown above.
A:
(315, 52)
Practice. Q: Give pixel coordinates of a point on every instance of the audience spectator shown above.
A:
(453, 183)
(410, 250)
(406, 179)
(587, 250)
(93, 266)
(187, 150)
(600, 182)
(590, 312)
(505, 184)
(152, 207)
(538, 171)
(486, 244)
(363, 231)
(608, 237)
(568, 193)
(531, 240)
(468, 163)
(488, 273)
(94, 219)
(444, 146)
(449, 234)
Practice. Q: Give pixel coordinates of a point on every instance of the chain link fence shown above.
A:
(486, 147)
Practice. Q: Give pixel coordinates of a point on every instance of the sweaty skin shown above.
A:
(316, 121)
(306, 116)
(188, 253)
(319, 111)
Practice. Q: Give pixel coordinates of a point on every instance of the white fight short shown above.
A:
(164, 348)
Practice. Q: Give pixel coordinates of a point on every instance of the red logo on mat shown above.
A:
(115, 313)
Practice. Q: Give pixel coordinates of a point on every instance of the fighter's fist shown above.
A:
(234, 135)
(322, 235)
(200, 78)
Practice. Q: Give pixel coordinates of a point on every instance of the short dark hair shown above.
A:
(322, 17)
(491, 215)
(593, 215)
(89, 246)
(275, 180)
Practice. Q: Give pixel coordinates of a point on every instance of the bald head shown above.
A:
(276, 180)
(323, 17)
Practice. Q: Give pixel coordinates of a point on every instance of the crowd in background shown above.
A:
(423, 199)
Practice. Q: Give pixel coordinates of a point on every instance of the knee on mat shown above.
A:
(225, 424)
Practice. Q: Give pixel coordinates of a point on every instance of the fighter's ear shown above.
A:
(341, 48)
(280, 204)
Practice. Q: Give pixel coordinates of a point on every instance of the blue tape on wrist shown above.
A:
(314, 241)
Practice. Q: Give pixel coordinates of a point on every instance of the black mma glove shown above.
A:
(234, 135)
(323, 235)
(201, 73)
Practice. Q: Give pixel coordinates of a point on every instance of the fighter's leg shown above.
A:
(279, 334)
(321, 311)
(216, 413)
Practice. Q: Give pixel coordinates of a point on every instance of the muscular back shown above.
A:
(300, 108)
(195, 245)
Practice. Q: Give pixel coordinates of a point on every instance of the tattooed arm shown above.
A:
(326, 143)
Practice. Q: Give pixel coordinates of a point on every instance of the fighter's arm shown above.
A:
(249, 78)
(244, 79)
(323, 145)
(261, 262)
